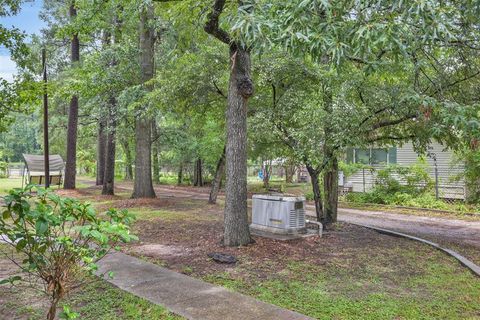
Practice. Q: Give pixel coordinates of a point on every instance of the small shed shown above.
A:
(34, 170)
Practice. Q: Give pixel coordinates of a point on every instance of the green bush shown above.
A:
(3, 169)
(58, 237)
(414, 192)
(427, 201)
(309, 196)
(401, 198)
(415, 178)
(471, 175)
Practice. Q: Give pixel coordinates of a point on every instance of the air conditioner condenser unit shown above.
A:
(278, 214)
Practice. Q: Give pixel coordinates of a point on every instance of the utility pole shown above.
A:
(45, 121)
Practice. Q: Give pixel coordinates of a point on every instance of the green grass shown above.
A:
(436, 287)
(100, 300)
(170, 215)
(97, 300)
(9, 183)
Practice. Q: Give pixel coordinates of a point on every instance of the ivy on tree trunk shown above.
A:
(330, 185)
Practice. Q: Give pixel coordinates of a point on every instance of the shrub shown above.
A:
(58, 237)
(401, 198)
(309, 196)
(415, 178)
(397, 185)
(3, 169)
(471, 175)
(427, 201)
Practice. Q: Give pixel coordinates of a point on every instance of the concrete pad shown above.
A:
(184, 295)
(283, 236)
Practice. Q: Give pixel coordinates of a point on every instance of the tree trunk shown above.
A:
(109, 179)
(267, 172)
(330, 187)
(101, 145)
(143, 186)
(236, 232)
(330, 176)
(317, 194)
(52, 310)
(217, 181)
(128, 159)
(71, 165)
(180, 175)
(289, 173)
(155, 151)
(103, 128)
(198, 174)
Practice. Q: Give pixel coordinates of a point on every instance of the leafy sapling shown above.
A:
(57, 239)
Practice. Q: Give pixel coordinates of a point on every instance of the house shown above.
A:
(443, 168)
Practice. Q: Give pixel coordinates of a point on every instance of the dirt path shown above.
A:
(459, 231)
(459, 235)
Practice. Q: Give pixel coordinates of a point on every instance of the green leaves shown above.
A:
(361, 29)
(68, 314)
(41, 226)
(56, 234)
(21, 245)
(10, 280)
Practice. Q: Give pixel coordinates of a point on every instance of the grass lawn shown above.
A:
(366, 292)
(95, 301)
(9, 183)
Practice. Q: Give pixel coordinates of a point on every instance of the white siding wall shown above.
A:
(364, 180)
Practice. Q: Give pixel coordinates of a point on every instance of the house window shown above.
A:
(378, 156)
(371, 156)
(362, 156)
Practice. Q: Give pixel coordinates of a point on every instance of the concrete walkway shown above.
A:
(184, 295)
